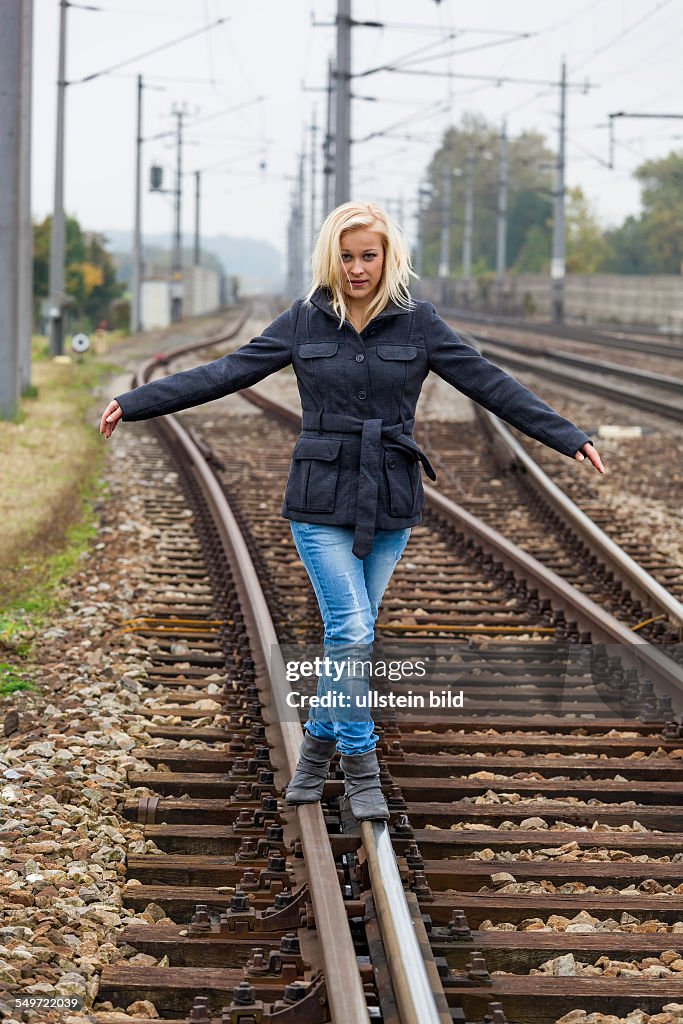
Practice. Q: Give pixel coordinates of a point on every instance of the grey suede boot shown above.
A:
(361, 774)
(311, 771)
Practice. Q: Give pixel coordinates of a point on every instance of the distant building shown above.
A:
(202, 291)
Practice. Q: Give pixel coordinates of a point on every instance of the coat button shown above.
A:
(362, 394)
(359, 358)
(391, 463)
(373, 330)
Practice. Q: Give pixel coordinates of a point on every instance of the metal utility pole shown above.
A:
(295, 236)
(342, 159)
(557, 263)
(328, 144)
(444, 251)
(136, 289)
(300, 242)
(11, 88)
(423, 196)
(197, 199)
(469, 218)
(313, 173)
(57, 236)
(177, 269)
(502, 223)
(291, 249)
(25, 251)
(419, 258)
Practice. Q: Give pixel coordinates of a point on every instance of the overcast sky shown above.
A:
(629, 50)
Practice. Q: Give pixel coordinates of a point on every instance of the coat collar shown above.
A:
(322, 299)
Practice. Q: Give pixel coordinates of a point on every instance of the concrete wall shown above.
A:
(156, 305)
(201, 294)
(598, 298)
(202, 291)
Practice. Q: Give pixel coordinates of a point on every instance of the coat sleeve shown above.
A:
(485, 383)
(249, 364)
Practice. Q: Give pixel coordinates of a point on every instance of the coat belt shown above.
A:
(372, 433)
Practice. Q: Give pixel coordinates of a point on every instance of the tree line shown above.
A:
(650, 243)
(90, 280)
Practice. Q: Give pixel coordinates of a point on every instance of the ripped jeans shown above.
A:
(349, 591)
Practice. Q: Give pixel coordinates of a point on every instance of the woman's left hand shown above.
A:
(588, 451)
(110, 417)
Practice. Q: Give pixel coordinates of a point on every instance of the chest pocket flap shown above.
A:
(318, 348)
(396, 351)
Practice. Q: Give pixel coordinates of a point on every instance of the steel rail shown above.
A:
(343, 982)
(657, 380)
(342, 978)
(410, 982)
(603, 625)
(670, 410)
(638, 580)
(588, 336)
(214, 339)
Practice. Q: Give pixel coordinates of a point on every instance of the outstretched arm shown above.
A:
(485, 383)
(270, 351)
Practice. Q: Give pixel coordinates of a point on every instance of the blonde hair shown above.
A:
(326, 264)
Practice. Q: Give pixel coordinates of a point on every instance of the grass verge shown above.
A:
(51, 460)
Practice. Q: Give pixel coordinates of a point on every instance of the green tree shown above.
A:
(529, 160)
(534, 255)
(530, 227)
(587, 247)
(627, 249)
(653, 242)
(90, 277)
(662, 218)
(41, 257)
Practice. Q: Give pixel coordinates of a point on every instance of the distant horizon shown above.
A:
(241, 256)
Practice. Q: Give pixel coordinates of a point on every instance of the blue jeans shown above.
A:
(349, 591)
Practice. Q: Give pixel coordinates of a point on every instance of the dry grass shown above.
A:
(49, 462)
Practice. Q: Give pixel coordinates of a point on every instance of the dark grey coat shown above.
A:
(356, 462)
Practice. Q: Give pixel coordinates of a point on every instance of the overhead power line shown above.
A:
(149, 53)
(191, 123)
(402, 62)
(624, 32)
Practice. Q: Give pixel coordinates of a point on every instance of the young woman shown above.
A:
(361, 349)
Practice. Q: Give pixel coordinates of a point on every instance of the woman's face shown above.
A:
(362, 260)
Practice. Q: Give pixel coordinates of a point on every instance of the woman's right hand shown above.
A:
(110, 417)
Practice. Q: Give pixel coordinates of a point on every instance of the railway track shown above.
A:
(655, 392)
(537, 828)
(629, 339)
(611, 559)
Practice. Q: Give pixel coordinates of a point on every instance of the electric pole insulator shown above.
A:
(156, 177)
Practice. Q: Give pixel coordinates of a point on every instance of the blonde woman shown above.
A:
(361, 349)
